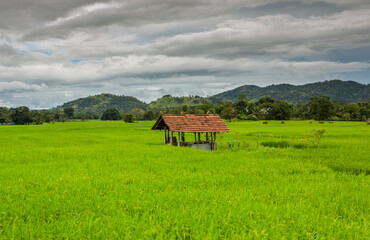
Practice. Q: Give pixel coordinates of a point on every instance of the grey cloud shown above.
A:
(138, 13)
(294, 8)
(20, 14)
(243, 38)
(174, 47)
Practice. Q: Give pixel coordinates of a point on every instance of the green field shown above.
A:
(84, 180)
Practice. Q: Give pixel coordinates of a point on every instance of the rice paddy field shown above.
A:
(109, 180)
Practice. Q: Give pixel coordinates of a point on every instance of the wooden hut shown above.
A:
(207, 125)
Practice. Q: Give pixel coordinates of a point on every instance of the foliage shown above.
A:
(314, 136)
(111, 114)
(321, 108)
(20, 115)
(70, 111)
(228, 113)
(4, 115)
(169, 102)
(138, 113)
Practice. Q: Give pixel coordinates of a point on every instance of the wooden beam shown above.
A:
(178, 139)
(171, 137)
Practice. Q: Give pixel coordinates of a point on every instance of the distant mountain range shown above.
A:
(99, 103)
(346, 91)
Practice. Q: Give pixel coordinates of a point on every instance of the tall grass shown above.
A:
(117, 180)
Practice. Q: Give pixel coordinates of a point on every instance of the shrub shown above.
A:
(314, 136)
(128, 118)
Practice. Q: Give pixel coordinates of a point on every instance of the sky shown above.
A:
(54, 51)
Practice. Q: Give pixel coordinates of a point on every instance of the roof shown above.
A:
(191, 123)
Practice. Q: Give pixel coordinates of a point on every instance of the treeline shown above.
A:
(266, 108)
(24, 116)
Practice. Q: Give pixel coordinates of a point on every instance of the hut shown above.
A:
(207, 125)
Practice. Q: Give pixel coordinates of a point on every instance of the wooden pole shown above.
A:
(165, 131)
(178, 139)
(199, 136)
(215, 148)
(206, 136)
(171, 137)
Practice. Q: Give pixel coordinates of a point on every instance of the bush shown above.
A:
(128, 118)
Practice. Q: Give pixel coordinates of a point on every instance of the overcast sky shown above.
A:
(53, 51)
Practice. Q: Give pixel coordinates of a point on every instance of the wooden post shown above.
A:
(199, 136)
(171, 137)
(178, 139)
(183, 137)
(215, 147)
(207, 136)
(165, 131)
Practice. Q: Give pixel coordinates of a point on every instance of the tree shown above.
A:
(265, 100)
(4, 115)
(354, 110)
(111, 114)
(321, 108)
(69, 111)
(137, 112)
(61, 117)
(298, 110)
(205, 106)
(228, 111)
(242, 104)
(128, 118)
(281, 110)
(21, 115)
(151, 114)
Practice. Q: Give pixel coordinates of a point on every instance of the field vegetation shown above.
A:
(98, 179)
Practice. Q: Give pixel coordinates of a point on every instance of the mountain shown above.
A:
(347, 91)
(99, 103)
(169, 102)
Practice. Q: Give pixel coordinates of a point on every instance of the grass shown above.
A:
(115, 180)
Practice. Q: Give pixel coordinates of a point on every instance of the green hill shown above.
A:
(99, 103)
(169, 102)
(347, 91)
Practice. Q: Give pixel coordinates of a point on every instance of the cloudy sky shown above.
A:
(53, 51)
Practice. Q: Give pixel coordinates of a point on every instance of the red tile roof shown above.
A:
(191, 123)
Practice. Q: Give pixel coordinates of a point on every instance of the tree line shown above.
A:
(266, 108)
